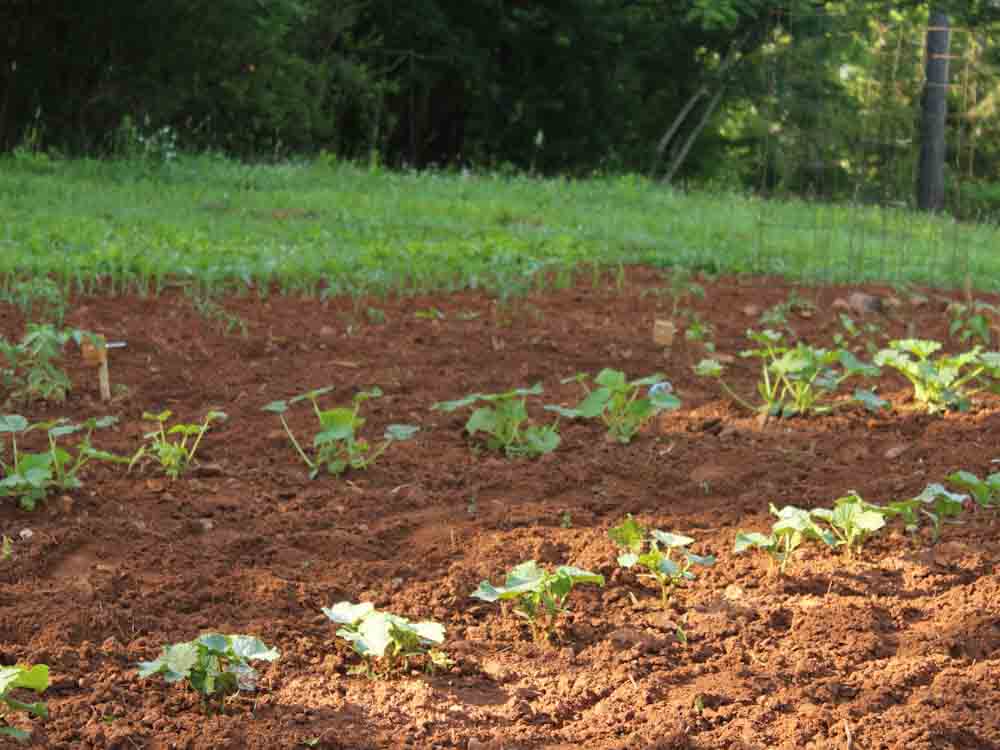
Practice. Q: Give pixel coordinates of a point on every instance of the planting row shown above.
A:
(217, 665)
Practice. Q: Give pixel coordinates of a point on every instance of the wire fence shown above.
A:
(847, 155)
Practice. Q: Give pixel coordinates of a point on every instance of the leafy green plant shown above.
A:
(777, 316)
(793, 527)
(658, 559)
(539, 595)
(682, 288)
(971, 322)
(213, 312)
(939, 383)
(701, 331)
(620, 403)
(871, 400)
(337, 446)
(175, 456)
(935, 503)
(505, 421)
(392, 639)
(39, 298)
(31, 372)
(858, 337)
(794, 380)
(986, 492)
(852, 521)
(213, 664)
(34, 678)
(30, 477)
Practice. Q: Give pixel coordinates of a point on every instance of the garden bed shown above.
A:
(897, 647)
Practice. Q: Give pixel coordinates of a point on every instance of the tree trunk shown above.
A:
(934, 115)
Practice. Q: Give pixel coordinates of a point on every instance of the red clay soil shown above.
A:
(898, 648)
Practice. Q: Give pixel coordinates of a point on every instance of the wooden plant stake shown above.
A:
(95, 354)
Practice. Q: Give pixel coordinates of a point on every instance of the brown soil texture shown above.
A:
(897, 648)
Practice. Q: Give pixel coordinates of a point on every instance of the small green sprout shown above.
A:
(392, 639)
(174, 456)
(794, 526)
(505, 421)
(31, 372)
(30, 477)
(619, 402)
(852, 521)
(969, 322)
(539, 595)
(212, 663)
(35, 678)
(337, 445)
(631, 537)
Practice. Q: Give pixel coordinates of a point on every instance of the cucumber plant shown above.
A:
(934, 503)
(939, 383)
(337, 446)
(793, 527)
(658, 557)
(213, 664)
(620, 403)
(851, 521)
(30, 477)
(175, 456)
(503, 417)
(985, 492)
(539, 595)
(391, 639)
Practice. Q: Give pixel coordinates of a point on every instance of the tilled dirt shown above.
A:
(897, 648)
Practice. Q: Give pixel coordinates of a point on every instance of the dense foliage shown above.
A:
(680, 87)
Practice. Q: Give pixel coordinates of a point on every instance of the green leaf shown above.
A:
(541, 440)
(457, 404)
(312, 395)
(400, 432)
(276, 407)
(628, 535)
(594, 403)
(703, 560)
(336, 424)
(708, 368)
(579, 575)
(563, 411)
(613, 380)
(30, 678)
(175, 663)
(869, 400)
(745, 540)
(347, 613)
(12, 423)
(248, 648)
(667, 539)
(482, 419)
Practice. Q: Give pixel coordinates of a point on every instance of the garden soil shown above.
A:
(896, 648)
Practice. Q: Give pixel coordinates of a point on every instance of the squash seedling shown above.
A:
(34, 678)
(337, 446)
(391, 639)
(986, 492)
(794, 526)
(32, 476)
(620, 403)
(539, 595)
(213, 664)
(658, 560)
(935, 502)
(504, 419)
(174, 456)
(939, 383)
(851, 521)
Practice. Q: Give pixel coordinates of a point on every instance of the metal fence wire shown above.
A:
(846, 152)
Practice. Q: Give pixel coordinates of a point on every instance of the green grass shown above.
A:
(347, 229)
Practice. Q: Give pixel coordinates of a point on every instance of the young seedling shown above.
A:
(34, 678)
(620, 403)
(852, 521)
(174, 456)
(939, 383)
(986, 492)
(213, 664)
(539, 595)
(31, 373)
(505, 421)
(794, 526)
(384, 636)
(971, 322)
(658, 560)
(337, 446)
(30, 477)
(935, 502)
(871, 400)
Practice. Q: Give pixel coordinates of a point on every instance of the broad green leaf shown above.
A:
(18, 734)
(649, 380)
(579, 575)
(336, 424)
(628, 559)
(214, 642)
(175, 663)
(163, 416)
(747, 539)
(594, 403)
(541, 440)
(65, 429)
(457, 404)
(12, 423)
(563, 411)
(869, 400)
(249, 648)
(668, 539)
(347, 613)
(482, 420)
(31, 678)
(312, 395)
(704, 560)
(664, 401)
(400, 432)
(613, 380)
(708, 368)
(432, 632)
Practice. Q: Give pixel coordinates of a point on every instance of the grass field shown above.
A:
(348, 229)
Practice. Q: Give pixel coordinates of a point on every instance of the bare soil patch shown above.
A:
(897, 649)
